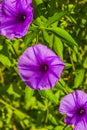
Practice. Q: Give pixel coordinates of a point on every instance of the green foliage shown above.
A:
(58, 46)
(56, 17)
(62, 26)
(79, 77)
(5, 60)
(63, 35)
(48, 94)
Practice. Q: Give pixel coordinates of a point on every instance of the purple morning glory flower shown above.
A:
(74, 105)
(39, 67)
(15, 17)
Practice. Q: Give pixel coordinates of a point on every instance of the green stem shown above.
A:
(64, 127)
(73, 67)
(14, 50)
(63, 88)
(13, 108)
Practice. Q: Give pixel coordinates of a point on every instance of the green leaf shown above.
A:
(52, 119)
(1, 124)
(58, 46)
(38, 1)
(28, 94)
(85, 63)
(49, 95)
(54, 18)
(68, 65)
(59, 127)
(39, 21)
(79, 78)
(19, 115)
(85, 0)
(74, 56)
(62, 84)
(29, 38)
(11, 91)
(5, 60)
(64, 35)
(48, 38)
(68, 128)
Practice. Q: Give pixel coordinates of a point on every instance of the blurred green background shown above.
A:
(62, 26)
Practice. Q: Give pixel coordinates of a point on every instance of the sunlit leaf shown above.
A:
(79, 78)
(5, 60)
(58, 46)
(48, 94)
(55, 17)
(64, 35)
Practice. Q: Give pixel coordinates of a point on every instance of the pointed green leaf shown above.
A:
(52, 119)
(5, 60)
(79, 78)
(68, 65)
(59, 127)
(28, 94)
(64, 35)
(48, 38)
(58, 46)
(49, 95)
(55, 17)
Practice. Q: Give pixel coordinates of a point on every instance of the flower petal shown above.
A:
(67, 105)
(72, 101)
(8, 7)
(81, 125)
(12, 23)
(81, 97)
(31, 67)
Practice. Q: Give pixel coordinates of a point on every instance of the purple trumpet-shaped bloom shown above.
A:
(39, 67)
(15, 17)
(74, 105)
